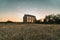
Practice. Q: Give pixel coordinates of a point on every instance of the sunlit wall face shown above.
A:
(14, 10)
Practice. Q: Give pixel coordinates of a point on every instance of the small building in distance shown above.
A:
(29, 18)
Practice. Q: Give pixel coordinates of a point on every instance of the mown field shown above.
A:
(12, 31)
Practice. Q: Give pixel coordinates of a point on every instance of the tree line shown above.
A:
(50, 19)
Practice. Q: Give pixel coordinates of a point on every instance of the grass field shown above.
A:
(12, 31)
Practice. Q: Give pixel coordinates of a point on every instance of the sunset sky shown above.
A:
(14, 10)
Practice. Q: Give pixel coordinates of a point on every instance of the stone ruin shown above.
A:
(29, 19)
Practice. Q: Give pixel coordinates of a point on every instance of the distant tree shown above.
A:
(9, 21)
(38, 21)
(57, 19)
(52, 19)
(49, 19)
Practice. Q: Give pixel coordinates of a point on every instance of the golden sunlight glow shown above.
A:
(9, 19)
(17, 16)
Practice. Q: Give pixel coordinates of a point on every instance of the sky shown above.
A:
(14, 10)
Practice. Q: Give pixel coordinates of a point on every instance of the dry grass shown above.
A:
(29, 32)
